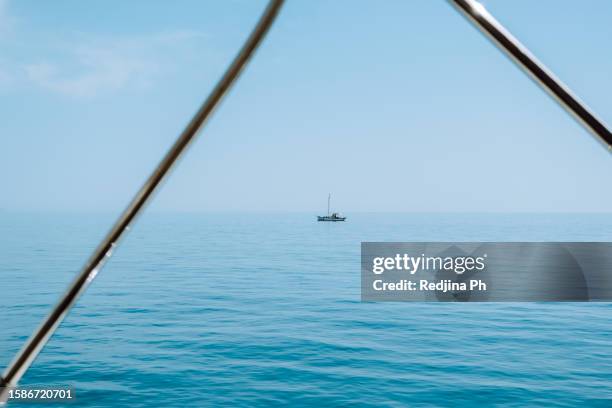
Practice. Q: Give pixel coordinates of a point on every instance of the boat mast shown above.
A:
(328, 200)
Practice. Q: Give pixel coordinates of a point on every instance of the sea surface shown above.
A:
(198, 310)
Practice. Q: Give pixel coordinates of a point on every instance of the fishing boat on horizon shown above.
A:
(333, 217)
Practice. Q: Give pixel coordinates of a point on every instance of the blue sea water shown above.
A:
(263, 310)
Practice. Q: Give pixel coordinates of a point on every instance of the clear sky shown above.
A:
(391, 106)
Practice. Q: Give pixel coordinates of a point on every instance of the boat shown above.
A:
(333, 217)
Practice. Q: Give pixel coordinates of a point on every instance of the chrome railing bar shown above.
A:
(501, 37)
(39, 338)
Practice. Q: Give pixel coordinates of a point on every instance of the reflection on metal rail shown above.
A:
(37, 341)
(478, 14)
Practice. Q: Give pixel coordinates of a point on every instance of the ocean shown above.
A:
(238, 309)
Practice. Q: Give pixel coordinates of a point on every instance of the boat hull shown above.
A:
(330, 219)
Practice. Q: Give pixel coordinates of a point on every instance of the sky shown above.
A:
(394, 106)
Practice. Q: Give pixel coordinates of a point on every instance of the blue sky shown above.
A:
(392, 106)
